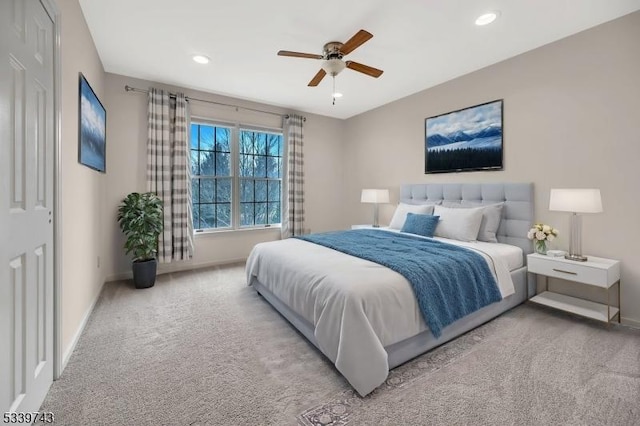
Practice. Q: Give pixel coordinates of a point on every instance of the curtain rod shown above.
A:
(189, 98)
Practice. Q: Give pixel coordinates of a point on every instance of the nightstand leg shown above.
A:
(619, 306)
(608, 306)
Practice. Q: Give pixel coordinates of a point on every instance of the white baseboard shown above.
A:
(67, 353)
(630, 322)
(178, 267)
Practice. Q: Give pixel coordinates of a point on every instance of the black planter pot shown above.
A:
(144, 273)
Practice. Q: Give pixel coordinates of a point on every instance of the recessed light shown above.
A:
(201, 59)
(487, 18)
(337, 95)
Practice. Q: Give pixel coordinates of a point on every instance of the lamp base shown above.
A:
(576, 257)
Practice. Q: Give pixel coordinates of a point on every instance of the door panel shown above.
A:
(26, 195)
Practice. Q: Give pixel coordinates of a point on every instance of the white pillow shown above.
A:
(491, 217)
(400, 215)
(458, 224)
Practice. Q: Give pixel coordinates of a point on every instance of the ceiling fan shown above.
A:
(332, 54)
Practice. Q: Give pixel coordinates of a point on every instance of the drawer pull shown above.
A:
(565, 272)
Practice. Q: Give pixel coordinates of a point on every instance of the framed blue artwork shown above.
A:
(465, 140)
(92, 119)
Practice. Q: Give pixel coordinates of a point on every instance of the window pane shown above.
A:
(195, 190)
(261, 166)
(253, 137)
(261, 213)
(222, 139)
(246, 142)
(194, 136)
(273, 167)
(274, 190)
(196, 216)
(206, 137)
(195, 163)
(207, 190)
(261, 190)
(246, 165)
(224, 215)
(274, 213)
(206, 163)
(261, 143)
(246, 214)
(246, 189)
(223, 161)
(274, 145)
(207, 216)
(223, 192)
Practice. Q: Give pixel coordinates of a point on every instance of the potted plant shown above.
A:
(140, 218)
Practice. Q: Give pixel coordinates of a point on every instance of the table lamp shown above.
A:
(575, 201)
(375, 197)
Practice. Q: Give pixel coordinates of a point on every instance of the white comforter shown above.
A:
(357, 307)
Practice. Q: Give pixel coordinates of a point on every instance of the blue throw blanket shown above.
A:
(449, 281)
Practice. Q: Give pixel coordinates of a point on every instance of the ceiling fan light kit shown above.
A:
(332, 59)
(333, 67)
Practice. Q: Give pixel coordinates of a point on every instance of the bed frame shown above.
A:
(517, 219)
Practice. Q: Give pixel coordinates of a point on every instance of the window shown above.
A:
(236, 176)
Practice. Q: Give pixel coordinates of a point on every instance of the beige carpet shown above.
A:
(201, 348)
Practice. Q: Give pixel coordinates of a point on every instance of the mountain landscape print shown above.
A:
(465, 140)
(93, 120)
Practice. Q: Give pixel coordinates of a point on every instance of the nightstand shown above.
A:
(367, 227)
(597, 271)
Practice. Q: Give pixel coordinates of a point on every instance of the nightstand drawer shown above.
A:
(572, 271)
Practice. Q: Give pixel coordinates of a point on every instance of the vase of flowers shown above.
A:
(541, 234)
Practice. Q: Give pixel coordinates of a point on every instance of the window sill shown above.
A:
(274, 228)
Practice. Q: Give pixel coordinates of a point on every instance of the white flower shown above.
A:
(540, 236)
(531, 234)
(555, 232)
(546, 229)
(550, 237)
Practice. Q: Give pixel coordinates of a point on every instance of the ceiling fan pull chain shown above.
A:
(333, 94)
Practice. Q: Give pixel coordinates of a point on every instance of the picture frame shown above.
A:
(92, 127)
(468, 139)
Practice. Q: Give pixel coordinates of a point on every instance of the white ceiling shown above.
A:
(418, 43)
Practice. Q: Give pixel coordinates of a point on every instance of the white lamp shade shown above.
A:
(375, 196)
(575, 200)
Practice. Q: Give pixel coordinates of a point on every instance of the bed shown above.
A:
(363, 316)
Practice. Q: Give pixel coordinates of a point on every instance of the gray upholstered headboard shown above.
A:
(517, 215)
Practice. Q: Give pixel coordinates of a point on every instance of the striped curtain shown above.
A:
(168, 172)
(293, 217)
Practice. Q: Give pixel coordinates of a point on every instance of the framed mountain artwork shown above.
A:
(465, 140)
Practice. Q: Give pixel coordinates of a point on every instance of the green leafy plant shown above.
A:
(141, 220)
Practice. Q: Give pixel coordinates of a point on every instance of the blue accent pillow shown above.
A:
(420, 224)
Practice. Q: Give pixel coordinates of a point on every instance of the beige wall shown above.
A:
(83, 189)
(126, 154)
(571, 119)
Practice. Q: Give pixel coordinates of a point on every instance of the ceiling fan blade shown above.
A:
(356, 41)
(299, 54)
(317, 78)
(365, 69)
